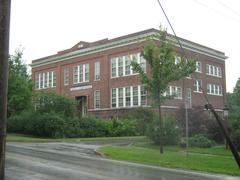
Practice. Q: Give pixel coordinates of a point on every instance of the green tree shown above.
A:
(164, 69)
(19, 84)
(46, 102)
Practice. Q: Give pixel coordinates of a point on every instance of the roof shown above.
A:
(85, 48)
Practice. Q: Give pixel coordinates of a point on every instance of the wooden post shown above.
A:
(5, 6)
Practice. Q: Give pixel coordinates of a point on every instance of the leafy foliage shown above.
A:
(50, 101)
(171, 131)
(19, 85)
(200, 140)
(164, 69)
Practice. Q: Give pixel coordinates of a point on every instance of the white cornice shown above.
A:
(123, 42)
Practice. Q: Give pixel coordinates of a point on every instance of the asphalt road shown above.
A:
(68, 161)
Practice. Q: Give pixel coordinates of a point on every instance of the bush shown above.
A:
(171, 134)
(200, 140)
(51, 102)
(57, 125)
(235, 129)
(142, 116)
(124, 127)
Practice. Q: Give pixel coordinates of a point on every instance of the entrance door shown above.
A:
(82, 105)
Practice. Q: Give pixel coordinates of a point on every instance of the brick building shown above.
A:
(99, 76)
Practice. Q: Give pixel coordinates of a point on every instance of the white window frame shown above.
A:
(198, 67)
(65, 75)
(213, 70)
(197, 86)
(97, 70)
(85, 70)
(97, 99)
(45, 80)
(115, 61)
(214, 89)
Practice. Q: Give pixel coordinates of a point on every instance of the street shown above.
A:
(79, 161)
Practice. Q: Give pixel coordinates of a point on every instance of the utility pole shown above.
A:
(5, 6)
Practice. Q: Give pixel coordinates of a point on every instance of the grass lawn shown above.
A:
(27, 138)
(215, 159)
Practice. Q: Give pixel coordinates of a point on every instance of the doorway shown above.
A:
(82, 105)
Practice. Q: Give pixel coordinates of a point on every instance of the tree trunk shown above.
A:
(160, 124)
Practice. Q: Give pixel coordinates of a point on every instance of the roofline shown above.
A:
(127, 40)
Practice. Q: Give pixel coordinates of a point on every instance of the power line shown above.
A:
(229, 8)
(217, 11)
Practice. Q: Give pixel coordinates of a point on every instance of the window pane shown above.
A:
(135, 96)
(120, 97)
(120, 66)
(97, 70)
(114, 67)
(114, 98)
(65, 75)
(127, 65)
(86, 72)
(128, 96)
(54, 78)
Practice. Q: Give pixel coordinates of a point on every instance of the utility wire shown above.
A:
(229, 8)
(217, 11)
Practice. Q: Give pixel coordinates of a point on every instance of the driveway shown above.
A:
(78, 161)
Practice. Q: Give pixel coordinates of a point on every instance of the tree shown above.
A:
(19, 84)
(164, 69)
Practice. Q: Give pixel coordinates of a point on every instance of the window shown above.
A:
(114, 67)
(75, 74)
(86, 72)
(45, 80)
(177, 59)
(135, 96)
(81, 73)
(54, 79)
(127, 65)
(97, 99)
(97, 71)
(214, 70)
(121, 66)
(128, 96)
(197, 86)
(214, 89)
(65, 76)
(120, 97)
(198, 66)
(143, 95)
(174, 91)
(37, 81)
(114, 98)
(143, 63)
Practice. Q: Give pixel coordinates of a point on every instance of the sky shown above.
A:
(44, 27)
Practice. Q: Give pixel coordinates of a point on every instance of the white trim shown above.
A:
(110, 109)
(124, 42)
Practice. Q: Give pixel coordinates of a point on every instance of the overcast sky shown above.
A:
(43, 27)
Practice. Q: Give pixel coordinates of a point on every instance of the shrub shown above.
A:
(171, 134)
(124, 127)
(235, 129)
(51, 102)
(200, 140)
(142, 116)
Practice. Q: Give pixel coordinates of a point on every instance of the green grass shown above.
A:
(27, 138)
(215, 159)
